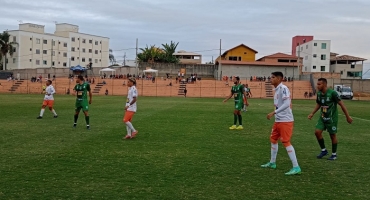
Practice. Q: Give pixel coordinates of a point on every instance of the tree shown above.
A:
(6, 47)
(154, 54)
(111, 57)
(169, 50)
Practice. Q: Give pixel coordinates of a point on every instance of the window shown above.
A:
(37, 51)
(96, 42)
(323, 57)
(245, 52)
(306, 46)
(45, 42)
(240, 58)
(37, 41)
(301, 48)
(30, 38)
(72, 58)
(90, 41)
(30, 60)
(354, 74)
(53, 43)
(14, 49)
(64, 64)
(96, 60)
(14, 60)
(73, 39)
(83, 50)
(45, 51)
(322, 68)
(64, 54)
(53, 53)
(90, 50)
(341, 72)
(37, 62)
(314, 55)
(83, 41)
(353, 65)
(30, 49)
(53, 63)
(323, 45)
(90, 59)
(14, 38)
(314, 67)
(305, 68)
(72, 49)
(65, 44)
(315, 44)
(83, 59)
(96, 52)
(233, 58)
(45, 62)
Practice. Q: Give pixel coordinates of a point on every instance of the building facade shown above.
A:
(188, 57)
(63, 49)
(349, 67)
(315, 55)
(241, 53)
(298, 40)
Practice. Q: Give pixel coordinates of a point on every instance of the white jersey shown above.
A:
(49, 90)
(282, 102)
(132, 93)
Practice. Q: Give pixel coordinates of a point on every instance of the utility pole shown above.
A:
(136, 61)
(124, 59)
(51, 53)
(219, 71)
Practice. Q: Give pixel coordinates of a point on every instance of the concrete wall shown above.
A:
(201, 70)
(344, 68)
(248, 71)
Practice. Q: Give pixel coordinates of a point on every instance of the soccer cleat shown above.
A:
(269, 165)
(39, 117)
(332, 157)
(240, 127)
(134, 134)
(55, 116)
(74, 125)
(88, 127)
(294, 171)
(127, 137)
(322, 154)
(233, 127)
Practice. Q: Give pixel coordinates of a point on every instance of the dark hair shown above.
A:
(49, 81)
(279, 74)
(237, 78)
(323, 80)
(80, 77)
(133, 80)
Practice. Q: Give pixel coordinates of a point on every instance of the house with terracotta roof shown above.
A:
(349, 67)
(188, 57)
(241, 53)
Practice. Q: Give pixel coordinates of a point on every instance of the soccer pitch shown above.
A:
(184, 150)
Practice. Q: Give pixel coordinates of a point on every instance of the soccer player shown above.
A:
(130, 108)
(283, 126)
(328, 99)
(237, 90)
(248, 95)
(81, 90)
(48, 100)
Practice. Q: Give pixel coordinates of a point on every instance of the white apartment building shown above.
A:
(315, 55)
(63, 49)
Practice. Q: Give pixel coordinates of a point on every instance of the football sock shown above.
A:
(274, 151)
(322, 144)
(55, 114)
(76, 117)
(240, 120)
(87, 119)
(235, 119)
(128, 124)
(42, 112)
(334, 149)
(292, 156)
(128, 130)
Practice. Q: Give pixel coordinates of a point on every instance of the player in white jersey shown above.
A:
(283, 126)
(130, 108)
(48, 100)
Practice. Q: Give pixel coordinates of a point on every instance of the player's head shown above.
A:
(276, 78)
(236, 80)
(80, 79)
(131, 81)
(246, 85)
(322, 83)
(48, 82)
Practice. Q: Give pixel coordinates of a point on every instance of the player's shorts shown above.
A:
(239, 106)
(331, 125)
(128, 116)
(282, 131)
(48, 103)
(82, 104)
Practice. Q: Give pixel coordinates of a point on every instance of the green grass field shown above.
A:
(184, 150)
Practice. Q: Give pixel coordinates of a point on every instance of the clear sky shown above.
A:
(265, 25)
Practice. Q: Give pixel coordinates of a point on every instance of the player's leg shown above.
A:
(244, 104)
(77, 112)
(320, 127)
(239, 114)
(233, 127)
(332, 129)
(286, 131)
(51, 104)
(44, 104)
(127, 120)
(274, 138)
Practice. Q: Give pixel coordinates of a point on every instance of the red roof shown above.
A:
(279, 55)
(347, 57)
(259, 63)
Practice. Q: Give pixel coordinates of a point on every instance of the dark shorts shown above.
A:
(82, 104)
(330, 125)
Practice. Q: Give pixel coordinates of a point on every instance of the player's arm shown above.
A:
(231, 94)
(286, 104)
(317, 107)
(250, 92)
(246, 97)
(52, 91)
(90, 94)
(344, 109)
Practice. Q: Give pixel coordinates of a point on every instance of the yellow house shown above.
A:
(239, 53)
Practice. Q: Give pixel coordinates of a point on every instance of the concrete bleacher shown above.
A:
(204, 88)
